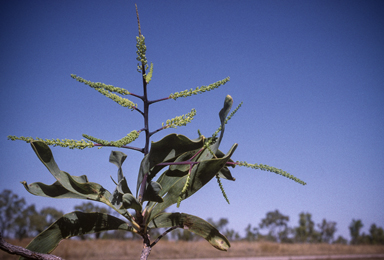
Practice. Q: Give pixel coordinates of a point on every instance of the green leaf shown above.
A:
(79, 186)
(130, 202)
(223, 115)
(201, 174)
(165, 150)
(75, 224)
(56, 190)
(118, 158)
(152, 192)
(194, 224)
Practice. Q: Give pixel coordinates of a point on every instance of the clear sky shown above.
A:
(310, 74)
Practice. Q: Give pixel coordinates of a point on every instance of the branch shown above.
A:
(124, 146)
(21, 251)
(162, 235)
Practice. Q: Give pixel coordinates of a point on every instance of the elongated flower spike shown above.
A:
(107, 90)
(129, 138)
(222, 188)
(70, 143)
(198, 90)
(148, 76)
(99, 85)
(180, 120)
(264, 167)
(141, 52)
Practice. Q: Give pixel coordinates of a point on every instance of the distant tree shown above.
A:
(376, 235)
(251, 234)
(305, 232)
(50, 215)
(277, 224)
(327, 231)
(22, 224)
(340, 240)
(40, 220)
(183, 235)
(31, 222)
(232, 235)
(11, 207)
(221, 225)
(354, 229)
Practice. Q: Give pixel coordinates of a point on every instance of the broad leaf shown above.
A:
(56, 190)
(165, 150)
(194, 224)
(130, 202)
(75, 224)
(201, 174)
(118, 158)
(152, 192)
(77, 187)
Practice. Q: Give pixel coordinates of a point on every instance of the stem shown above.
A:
(158, 100)
(124, 146)
(146, 251)
(18, 250)
(146, 114)
(162, 235)
(178, 163)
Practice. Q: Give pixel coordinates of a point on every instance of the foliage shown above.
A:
(251, 234)
(31, 221)
(305, 232)
(19, 220)
(11, 208)
(376, 235)
(327, 231)
(187, 165)
(354, 229)
(277, 224)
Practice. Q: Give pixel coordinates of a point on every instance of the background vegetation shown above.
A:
(18, 220)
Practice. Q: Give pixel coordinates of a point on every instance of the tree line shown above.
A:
(19, 220)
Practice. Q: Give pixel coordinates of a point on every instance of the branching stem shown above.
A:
(164, 234)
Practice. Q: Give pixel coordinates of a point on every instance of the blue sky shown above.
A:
(310, 74)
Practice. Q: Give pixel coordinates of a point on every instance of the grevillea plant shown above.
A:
(182, 167)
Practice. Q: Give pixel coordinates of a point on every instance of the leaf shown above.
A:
(152, 192)
(200, 175)
(77, 187)
(167, 149)
(130, 202)
(194, 224)
(74, 224)
(223, 115)
(56, 190)
(118, 158)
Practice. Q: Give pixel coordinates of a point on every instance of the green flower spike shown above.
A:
(141, 50)
(198, 90)
(180, 120)
(264, 167)
(132, 136)
(107, 90)
(70, 143)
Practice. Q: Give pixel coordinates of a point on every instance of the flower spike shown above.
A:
(198, 90)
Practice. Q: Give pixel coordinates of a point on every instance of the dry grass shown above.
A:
(119, 250)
